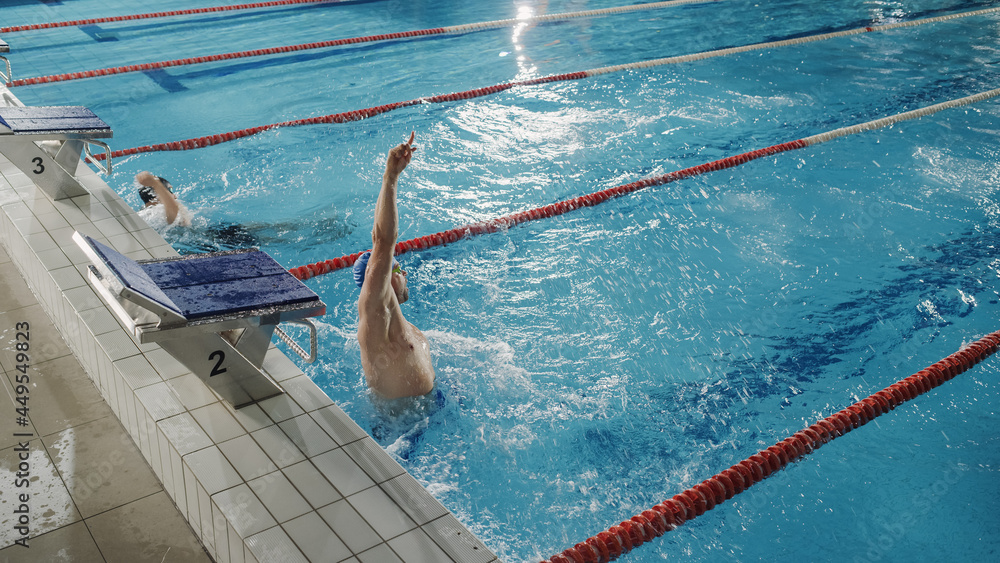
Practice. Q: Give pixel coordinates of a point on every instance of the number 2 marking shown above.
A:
(38, 162)
(218, 369)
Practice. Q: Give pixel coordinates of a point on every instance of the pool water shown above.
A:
(594, 364)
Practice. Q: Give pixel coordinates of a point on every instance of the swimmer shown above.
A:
(395, 355)
(160, 205)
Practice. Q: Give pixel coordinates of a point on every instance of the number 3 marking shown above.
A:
(38, 162)
(218, 369)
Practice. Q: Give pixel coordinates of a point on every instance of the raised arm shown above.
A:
(386, 228)
(163, 195)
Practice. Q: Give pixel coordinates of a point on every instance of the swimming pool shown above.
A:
(599, 362)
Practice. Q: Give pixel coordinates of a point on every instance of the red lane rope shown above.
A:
(172, 13)
(715, 490)
(306, 272)
(551, 210)
(209, 140)
(454, 28)
(343, 117)
(463, 28)
(486, 25)
(221, 57)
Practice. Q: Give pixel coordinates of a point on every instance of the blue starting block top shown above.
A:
(60, 120)
(211, 285)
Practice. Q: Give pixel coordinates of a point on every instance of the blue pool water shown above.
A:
(597, 363)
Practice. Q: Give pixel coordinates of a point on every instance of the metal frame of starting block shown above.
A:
(46, 143)
(9, 76)
(215, 313)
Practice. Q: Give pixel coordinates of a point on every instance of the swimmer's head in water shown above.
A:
(361, 268)
(148, 194)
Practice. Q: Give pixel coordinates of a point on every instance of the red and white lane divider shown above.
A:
(169, 14)
(343, 117)
(788, 42)
(356, 115)
(449, 30)
(695, 501)
(494, 225)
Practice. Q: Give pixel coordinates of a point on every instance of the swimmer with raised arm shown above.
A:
(158, 199)
(395, 355)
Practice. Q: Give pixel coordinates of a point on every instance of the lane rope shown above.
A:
(343, 117)
(695, 501)
(356, 115)
(449, 30)
(169, 14)
(490, 226)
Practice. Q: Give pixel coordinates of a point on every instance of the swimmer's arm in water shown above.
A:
(163, 195)
(386, 228)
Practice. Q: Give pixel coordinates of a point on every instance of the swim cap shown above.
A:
(361, 267)
(148, 194)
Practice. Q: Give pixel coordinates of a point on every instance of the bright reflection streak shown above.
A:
(524, 13)
(887, 12)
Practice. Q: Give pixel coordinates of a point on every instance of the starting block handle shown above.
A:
(7, 77)
(89, 156)
(311, 356)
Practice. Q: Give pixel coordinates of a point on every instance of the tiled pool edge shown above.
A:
(261, 484)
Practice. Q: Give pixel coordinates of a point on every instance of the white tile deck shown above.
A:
(144, 442)
(94, 497)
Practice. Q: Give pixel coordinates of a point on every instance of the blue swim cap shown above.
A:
(361, 267)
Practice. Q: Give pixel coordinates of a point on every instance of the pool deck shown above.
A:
(91, 479)
(133, 458)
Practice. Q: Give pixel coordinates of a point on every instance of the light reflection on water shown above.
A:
(594, 364)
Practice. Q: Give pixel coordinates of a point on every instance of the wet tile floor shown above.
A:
(91, 495)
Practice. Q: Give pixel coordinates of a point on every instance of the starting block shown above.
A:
(46, 144)
(215, 313)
